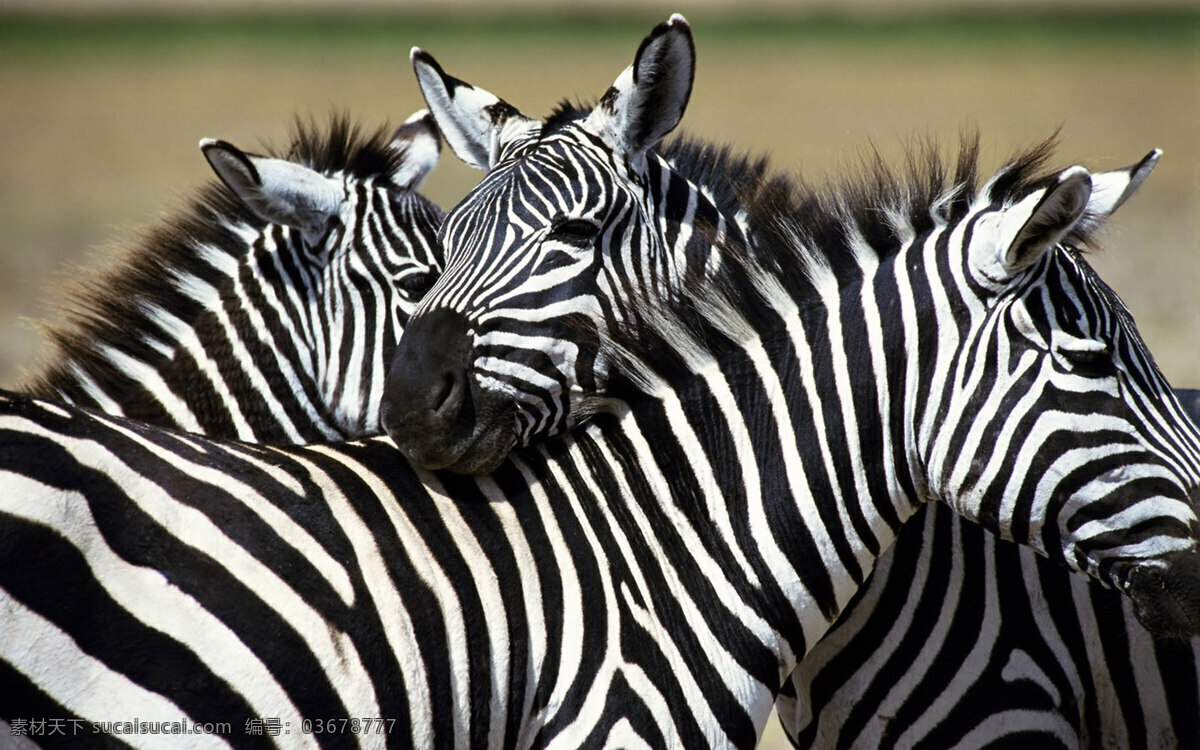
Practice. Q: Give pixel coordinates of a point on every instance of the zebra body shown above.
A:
(268, 310)
(555, 602)
(589, 606)
(548, 604)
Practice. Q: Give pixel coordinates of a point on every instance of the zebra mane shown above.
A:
(120, 307)
(804, 241)
(343, 146)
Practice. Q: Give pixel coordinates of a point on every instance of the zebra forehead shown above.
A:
(543, 182)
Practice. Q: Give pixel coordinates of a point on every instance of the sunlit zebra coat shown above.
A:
(269, 308)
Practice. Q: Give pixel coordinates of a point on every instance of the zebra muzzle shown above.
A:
(1166, 594)
(430, 408)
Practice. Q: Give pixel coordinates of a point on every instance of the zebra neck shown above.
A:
(774, 459)
(192, 338)
(692, 219)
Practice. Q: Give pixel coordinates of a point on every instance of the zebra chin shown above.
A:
(481, 454)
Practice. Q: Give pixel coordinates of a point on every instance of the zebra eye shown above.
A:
(577, 232)
(1093, 361)
(415, 285)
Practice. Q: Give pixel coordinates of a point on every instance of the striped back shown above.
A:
(269, 308)
(931, 320)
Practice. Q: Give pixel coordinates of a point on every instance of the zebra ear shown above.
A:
(420, 145)
(1111, 189)
(648, 99)
(476, 123)
(278, 191)
(1051, 216)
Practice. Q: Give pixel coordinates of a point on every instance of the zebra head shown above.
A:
(345, 256)
(1053, 421)
(541, 257)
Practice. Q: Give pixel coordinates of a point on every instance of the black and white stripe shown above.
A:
(545, 618)
(947, 342)
(586, 592)
(960, 639)
(268, 310)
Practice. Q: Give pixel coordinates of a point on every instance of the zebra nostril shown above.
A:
(445, 400)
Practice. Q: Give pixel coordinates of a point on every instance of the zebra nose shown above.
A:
(426, 389)
(1166, 594)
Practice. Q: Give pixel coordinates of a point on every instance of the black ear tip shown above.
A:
(1148, 162)
(676, 23)
(209, 144)
(223, 155)
(419, 56)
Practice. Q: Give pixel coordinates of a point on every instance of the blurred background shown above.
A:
(103, 103)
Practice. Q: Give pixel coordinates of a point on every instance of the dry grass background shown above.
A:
(99, 122)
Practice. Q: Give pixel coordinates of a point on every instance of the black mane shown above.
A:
(109, 308)
(343, 146)
(799, 233)
(864, 198)
(565, 113)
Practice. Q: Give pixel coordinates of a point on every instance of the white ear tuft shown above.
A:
(648, 99)
(418, 139)
(475, 123)
(278, 191)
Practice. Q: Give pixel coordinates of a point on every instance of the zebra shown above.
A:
(960, 639)
(206, 339)
(226, 499)
(579, 226)
(268, 309)
(275, 585)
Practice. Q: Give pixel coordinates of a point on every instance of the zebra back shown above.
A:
(269, 308)
(291, 586)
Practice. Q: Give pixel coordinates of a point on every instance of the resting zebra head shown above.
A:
(269, 310)
(565, 228)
